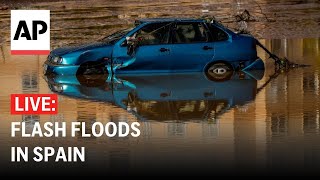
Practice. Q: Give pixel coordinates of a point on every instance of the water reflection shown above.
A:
(30, 82)
(30, 120)
(181, 97)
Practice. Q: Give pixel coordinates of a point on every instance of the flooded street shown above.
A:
(188, 123)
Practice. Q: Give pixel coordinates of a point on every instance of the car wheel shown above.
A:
(219, 71)
(91, 68)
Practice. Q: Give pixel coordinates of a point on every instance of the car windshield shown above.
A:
(116, 36)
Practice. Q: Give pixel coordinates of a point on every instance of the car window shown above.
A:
(116, 36)
(155, 33)
(190, 32)
(217, 33)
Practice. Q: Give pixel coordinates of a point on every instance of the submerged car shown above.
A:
(161, 46)
(183, 96)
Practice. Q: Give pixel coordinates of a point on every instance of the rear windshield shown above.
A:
(217, 33)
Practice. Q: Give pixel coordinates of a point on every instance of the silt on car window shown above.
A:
(155, 33)
(190, 32)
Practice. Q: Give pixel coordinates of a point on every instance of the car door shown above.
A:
(153, 52)
(222, 43)
(192, 47)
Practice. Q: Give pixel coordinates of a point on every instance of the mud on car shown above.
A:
(161, 46)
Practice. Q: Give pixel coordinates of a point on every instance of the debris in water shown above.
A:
(280, 63)
(244, 16)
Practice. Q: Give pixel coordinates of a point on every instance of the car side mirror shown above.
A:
(132, 44)
(131, 40)
(128, 41)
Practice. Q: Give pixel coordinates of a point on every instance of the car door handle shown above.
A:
(164, 49)
(207, 48)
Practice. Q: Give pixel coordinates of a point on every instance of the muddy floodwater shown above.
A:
(188, 123)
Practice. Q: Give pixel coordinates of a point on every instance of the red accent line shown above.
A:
(30, 52)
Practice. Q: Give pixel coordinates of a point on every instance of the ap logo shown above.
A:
(30, 32)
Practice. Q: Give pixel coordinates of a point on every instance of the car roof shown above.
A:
(169, 20)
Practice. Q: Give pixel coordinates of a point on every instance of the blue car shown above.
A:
(183, 96)
(161, 46)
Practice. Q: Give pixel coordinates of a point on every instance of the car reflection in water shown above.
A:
(188, 96)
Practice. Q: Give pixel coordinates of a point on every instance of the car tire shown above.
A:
(91, 68)
(219, 71)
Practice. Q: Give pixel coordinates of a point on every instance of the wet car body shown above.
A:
(187, 96)
(161, 46)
